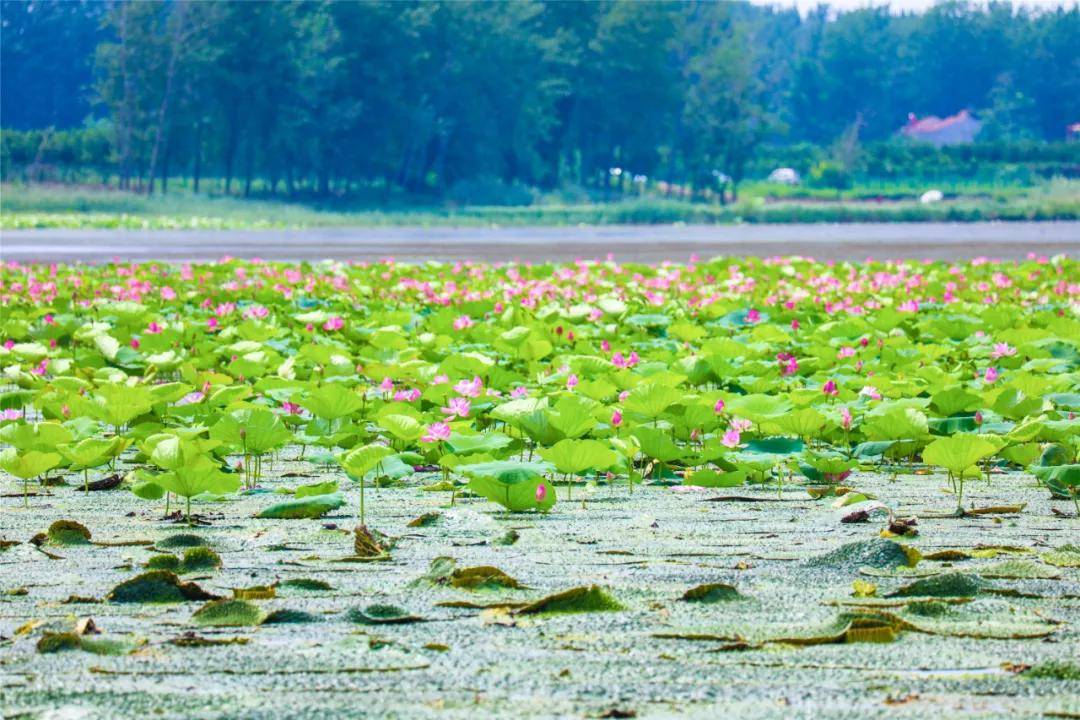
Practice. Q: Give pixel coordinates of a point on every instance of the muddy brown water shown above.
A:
(639, 243)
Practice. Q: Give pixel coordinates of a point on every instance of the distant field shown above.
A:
(80, 207)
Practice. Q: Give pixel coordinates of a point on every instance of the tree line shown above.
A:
(325, 96)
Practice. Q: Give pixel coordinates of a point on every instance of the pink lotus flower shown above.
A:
(618, 360)
(135, 343)
(616, 418)
(730, 438)
(440, 380)
(753, 315)
(541, 492)
(1002, 350)
(191, 398)
(457, 407)
(741, 424)
(334, 323)
(469, 388)
(788, 364)
(436, 432)
(991, 375)
(153, 329)
(978, 417)
(719, 406)
(871, 392)
(463, 322)
(795, 325)
(386, 385)
(830, 389)
(11, 414)
(411, 395)
(571, 381)
(845, 418)
(212, 324)
(845, 352)
(519, 392)
(605, 346)
(292, 408)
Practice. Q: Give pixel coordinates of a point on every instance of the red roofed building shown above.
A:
(953, 130)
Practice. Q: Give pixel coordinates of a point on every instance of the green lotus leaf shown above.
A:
(28, 465)
(332, 402)
(323, 488)
(461, 444)
(517, 486)
(657, 444)
(90, 452)
(253, 431)
(402, 427)
(652, 399)
(706, 477)
(957, 453)
(362, 460)
(119, 404)
(577, 456)
(306, 507)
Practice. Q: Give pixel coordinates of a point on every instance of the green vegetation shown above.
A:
(487, 104)
(209, 376)
(69, 207)
(771, 470)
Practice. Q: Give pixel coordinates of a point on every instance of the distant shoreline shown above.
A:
(81, 207)
(629, 243)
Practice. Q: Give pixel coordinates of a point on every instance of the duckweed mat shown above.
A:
(826, 618)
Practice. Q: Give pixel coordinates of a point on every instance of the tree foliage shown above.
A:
(478, 101)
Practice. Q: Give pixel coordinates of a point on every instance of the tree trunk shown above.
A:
(248, 167)
(324, 169)
(125, 115)
(230, 146)
(165, 171)
(198, 156)
(170, 75)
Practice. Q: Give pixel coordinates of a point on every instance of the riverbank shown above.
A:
(24, 207)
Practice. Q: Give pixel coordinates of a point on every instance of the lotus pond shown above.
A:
(765, 487)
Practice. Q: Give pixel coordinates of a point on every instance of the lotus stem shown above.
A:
(362, 501)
